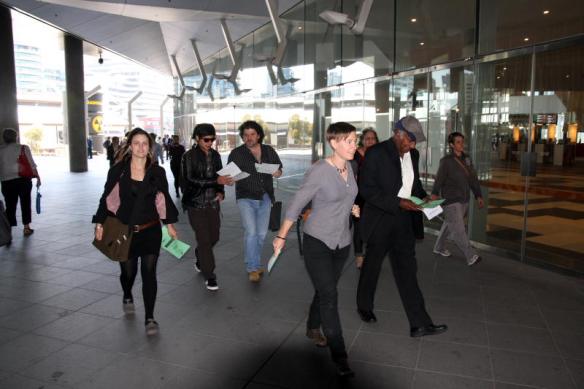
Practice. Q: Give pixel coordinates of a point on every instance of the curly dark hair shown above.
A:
(254, 126)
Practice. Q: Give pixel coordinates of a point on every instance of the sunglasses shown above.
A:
(208, 140)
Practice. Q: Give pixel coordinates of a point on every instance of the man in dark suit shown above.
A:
(386, 183)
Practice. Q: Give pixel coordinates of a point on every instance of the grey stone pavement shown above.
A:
(62, 326)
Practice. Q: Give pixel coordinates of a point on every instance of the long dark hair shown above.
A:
(125, 154)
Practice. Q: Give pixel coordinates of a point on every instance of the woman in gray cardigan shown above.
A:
(455, 180)
(330, 185)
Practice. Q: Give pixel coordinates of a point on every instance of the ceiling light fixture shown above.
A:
(526, 39)
(546, 12)
(413, 20)
(505, 68)
(421, 43)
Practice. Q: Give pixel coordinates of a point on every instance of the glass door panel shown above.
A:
(500, 137)
(449, 110)
(556, 195)
(409, 96)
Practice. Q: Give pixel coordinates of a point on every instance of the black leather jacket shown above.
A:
(199, 186)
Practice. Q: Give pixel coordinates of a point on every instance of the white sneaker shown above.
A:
(151, 327)
(474, 259)
(444, 253)
(197, 266)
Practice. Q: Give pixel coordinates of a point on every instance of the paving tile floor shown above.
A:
(62, 326)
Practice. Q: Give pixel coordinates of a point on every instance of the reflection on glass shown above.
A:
(502, 121)
(509, 24)
(555, 198)
(374, 47)
(431, 32)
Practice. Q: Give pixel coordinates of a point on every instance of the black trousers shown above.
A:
(206, 223)
(394, 235)
(357, 240)
(175, 169)
(325, 267)
(129, 269)
(13, 190)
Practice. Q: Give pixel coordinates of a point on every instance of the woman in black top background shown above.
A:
(134, 186)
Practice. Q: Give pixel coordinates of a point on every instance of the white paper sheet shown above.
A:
(267, 168)
(234, 171)
(432, 212)
(272, 261)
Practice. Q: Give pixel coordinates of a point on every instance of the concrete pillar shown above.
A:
(8, 103)
(75, 114)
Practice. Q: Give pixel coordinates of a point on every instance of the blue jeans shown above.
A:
(255, 216)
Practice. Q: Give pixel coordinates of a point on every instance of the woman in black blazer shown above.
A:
(136, 192)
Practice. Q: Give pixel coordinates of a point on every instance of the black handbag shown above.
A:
(275, 216)
(5, 229)
(115, 241)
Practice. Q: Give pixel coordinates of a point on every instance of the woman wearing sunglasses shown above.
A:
(202, 191)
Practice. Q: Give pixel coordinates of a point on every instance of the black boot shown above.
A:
(343, 369)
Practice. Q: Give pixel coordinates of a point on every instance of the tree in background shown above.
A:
(33, 137)
(299, 131)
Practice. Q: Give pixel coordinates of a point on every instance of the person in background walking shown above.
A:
(15, 187)
(455, 180)
(89, 148)
(136, 192)
(330, 185)
(367, 139)
(203, 192)
(106, 143)
(112, 150)
(176, 151)
(157, 150)
(254, 194)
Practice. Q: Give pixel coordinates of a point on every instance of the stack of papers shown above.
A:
(267, 168)
(234, 171)
(431, 208)
(173, 246)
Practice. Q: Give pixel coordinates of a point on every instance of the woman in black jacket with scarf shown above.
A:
(136, 192)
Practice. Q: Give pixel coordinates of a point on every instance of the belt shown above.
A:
(141, 227)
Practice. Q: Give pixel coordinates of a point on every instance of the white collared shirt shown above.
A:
(407, 170)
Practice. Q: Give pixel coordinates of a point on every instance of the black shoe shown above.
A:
(432, 329)
(367, 316)
(343, 369)
(212, 284)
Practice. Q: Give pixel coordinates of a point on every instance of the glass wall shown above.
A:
(457, 80)
(431, 32)
(510, 24)
(554, 214)
(40, 84)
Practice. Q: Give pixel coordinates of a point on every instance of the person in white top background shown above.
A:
(15, 187)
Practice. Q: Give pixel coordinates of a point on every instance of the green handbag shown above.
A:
(115, 241)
